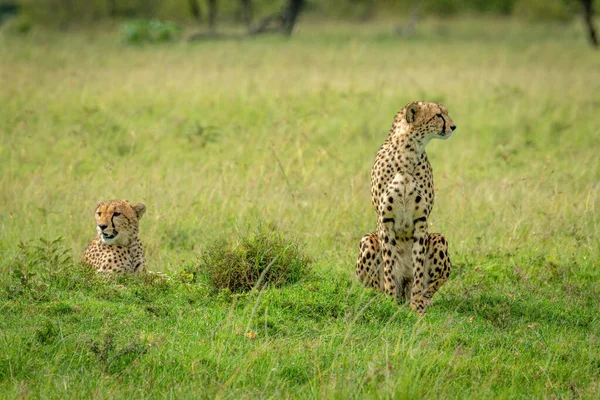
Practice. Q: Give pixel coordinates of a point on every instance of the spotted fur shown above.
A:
(402, 258)
(117, 247)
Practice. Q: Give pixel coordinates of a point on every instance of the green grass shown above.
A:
(219, 137)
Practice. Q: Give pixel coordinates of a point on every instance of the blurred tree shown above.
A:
(283, 21)
(409, 28)
(212, 14)
(112, 8)
(290, 15)
(247, 12)
(588, 16)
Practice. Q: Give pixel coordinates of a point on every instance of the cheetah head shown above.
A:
(117, 221)
(428, 120)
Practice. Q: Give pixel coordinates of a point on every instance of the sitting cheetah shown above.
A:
(402, 258)
(117, 247)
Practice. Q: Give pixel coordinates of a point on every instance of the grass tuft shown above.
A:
(259, 259)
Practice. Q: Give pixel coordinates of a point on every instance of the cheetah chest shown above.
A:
(119, 258)
(406, 201)
(404, 198)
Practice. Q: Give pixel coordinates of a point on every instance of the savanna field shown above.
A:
(223, 138)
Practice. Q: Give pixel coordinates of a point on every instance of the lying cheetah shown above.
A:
(117, 247)
(402, 258)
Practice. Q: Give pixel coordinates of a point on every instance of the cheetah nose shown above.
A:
(103, 227)
(453, 127)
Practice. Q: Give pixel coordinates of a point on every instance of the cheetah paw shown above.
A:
(418, 306)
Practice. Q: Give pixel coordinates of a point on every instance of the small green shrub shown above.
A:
(150, 31)
(48, 255)
(46, 333)
(44, 265)
(264, 257)
(114, 359)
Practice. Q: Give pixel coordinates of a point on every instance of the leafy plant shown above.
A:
(46, 333)
(115, 359)
(42, 263)
(48, 255)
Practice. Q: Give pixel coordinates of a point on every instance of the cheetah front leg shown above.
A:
(389, 253)
(138, 261)
(438, 265)
(420, 244)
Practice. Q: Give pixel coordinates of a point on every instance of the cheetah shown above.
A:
(402, 259)
(117, 247)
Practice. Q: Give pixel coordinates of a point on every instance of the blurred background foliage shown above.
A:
(66, 13)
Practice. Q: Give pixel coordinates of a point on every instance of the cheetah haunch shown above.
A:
(117, 247)
(402, 258)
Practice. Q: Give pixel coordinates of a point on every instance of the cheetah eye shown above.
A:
(439, 115)
(116, 214)
(98, 213)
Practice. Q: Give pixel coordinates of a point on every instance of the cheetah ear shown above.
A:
(411, 112)
(140, 209)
